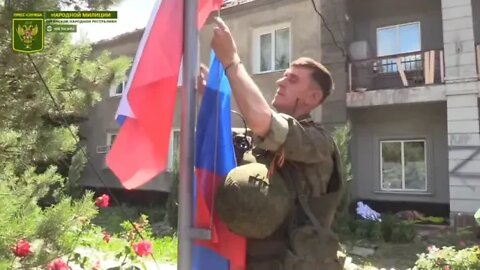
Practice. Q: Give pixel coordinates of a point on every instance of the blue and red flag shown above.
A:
(215, 157)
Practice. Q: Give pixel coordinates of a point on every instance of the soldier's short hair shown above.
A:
(320, 74)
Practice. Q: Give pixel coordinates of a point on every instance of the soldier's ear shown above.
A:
(314, 98)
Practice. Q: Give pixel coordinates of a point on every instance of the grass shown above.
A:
(110, 220)
(111, 217)
(164, 248)
(404, 256)
(388, 255)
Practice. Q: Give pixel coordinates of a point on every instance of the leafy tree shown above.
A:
(342, 136)
(41, 154)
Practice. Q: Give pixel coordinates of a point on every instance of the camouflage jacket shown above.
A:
(310, 161)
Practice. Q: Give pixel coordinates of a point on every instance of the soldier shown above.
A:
(294, 149)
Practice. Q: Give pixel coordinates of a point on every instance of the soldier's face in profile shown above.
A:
(295, 88)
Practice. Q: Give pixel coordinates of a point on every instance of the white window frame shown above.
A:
(403, 189)
(113, 89)
(103, 149)
(256, 46)
(397, 26)
(170, 149)
(109, 138)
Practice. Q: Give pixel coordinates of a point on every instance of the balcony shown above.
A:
(397, 71)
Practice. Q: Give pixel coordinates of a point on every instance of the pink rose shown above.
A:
(22, 248)
(106, 236)
(58, 264)
(143, 248)
(102, 201)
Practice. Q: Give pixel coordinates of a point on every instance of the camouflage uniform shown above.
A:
(312, 169)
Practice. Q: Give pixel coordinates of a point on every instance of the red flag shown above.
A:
(205, 7)
(141, 148)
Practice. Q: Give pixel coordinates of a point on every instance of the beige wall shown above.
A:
(243, 20)
(305, 33)
(371, 125)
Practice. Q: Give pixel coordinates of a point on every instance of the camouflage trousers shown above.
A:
(303, 250)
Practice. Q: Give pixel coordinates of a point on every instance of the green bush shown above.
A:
(52, 231)
(477, 216)
(342, 136)
(397, 231)
(390, 229)
(449, 258)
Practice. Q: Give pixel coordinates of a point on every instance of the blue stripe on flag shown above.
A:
(214, 148)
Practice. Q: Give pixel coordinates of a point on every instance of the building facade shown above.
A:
(406, 78)
(413, 101)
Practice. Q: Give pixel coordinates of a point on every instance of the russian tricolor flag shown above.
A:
(140, 150)
(215, 157)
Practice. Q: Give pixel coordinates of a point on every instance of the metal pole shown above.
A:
(187, 135)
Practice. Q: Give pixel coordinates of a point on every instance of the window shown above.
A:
(271, 48)
(111, 138)
(403, 165)
(174, 150)
(399, 39)
(102, 149)
(117, 90)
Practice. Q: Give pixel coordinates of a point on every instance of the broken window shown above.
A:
(403, 165)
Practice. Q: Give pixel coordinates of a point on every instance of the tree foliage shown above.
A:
(342, 137)
(41, 154)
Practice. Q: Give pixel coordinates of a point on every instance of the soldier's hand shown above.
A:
(223, 43)
(202, 79)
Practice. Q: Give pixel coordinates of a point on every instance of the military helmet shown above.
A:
(250, 203)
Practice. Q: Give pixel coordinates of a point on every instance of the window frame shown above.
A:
(109, 138)
(403, 189)
(271, 29)
(397, 27)
(114, 87)
(123, 83)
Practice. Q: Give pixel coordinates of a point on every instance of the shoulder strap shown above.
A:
(293, 177)
(290, 173)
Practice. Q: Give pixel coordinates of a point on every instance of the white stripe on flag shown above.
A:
(124, 107)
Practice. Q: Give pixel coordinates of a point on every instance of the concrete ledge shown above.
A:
(469, 206)
(464, 139)
(421, 94)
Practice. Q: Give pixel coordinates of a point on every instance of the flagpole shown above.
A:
(187, 135)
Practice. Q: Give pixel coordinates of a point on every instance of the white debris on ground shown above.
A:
(108, 261)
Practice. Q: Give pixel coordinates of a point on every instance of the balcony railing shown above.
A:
(397, 71)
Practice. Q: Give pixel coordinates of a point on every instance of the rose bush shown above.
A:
(448, 258)
(134, 238)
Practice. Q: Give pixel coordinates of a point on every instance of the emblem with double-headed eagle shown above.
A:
(27, 33)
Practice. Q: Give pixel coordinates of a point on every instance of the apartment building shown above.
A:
(413, 101)
(406, 77)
